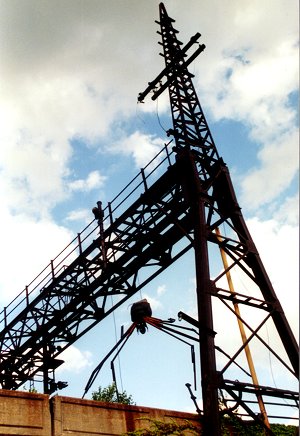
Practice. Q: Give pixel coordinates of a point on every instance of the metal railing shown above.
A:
(138, 185)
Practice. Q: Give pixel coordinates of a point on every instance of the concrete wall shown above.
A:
(72, 415)
(23, 413)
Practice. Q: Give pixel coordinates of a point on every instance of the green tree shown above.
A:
(110, 394)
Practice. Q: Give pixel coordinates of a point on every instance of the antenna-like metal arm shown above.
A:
(159, 324)
(169, 70)
(96, 371)
(193, 398)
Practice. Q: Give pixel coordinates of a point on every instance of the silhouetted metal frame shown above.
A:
(185, 204)
(211, 188)
(142, 239)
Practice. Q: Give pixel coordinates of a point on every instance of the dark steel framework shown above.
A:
(176, 203)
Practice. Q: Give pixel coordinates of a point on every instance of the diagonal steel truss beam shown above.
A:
(142, 241)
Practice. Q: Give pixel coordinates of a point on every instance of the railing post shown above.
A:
(99, 216)
(5, 320)
(144, 179)
(110, 213)
(167, 153)
(52, 269)
(79, 243)
(27, 296)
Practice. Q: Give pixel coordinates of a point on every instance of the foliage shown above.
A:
(161, 428)
(33, 390)
(243, 428)
(233, 423)
(284, 430)
(111, 395)
(229, 423)
(239, 427)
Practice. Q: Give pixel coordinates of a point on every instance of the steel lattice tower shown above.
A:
(135, 237)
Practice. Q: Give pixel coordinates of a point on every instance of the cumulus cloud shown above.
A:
(67, 75)
(161, 290)
(79, 215)
(279, 165)
(29, 246)
(154, 302)
(94, 180)
(288, 211)
(249, 78)
(75, 360)
(32, 174)
(142, 147)
(278, 246)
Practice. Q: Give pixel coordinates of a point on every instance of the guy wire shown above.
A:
(116, 338)
(158, 117)
(137, 113)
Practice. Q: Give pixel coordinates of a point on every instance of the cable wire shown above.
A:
(116, 338)
(159, 118)
(137, 113)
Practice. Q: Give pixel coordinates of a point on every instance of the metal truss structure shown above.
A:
(184, 199)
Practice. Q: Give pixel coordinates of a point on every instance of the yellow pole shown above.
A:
(243, 334)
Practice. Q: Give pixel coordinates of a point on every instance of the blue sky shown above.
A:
(72, 134)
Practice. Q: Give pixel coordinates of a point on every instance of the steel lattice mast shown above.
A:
(192, 133)
(208, 188)
(136, 237)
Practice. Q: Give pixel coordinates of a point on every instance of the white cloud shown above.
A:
(75, 360)
(249, 77)
(288, 212)
(29, 246)
(68, 74)
(278, 245)
(161, 290)
(154, 302)
(93, 181)
(279, 164)
(142, 147)
(79, 215)
(33, 170)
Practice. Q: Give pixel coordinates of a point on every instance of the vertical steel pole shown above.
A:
(45, 368)
(211, 424)
(207, 349)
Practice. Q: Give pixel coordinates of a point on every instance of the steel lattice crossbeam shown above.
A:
(142, 239)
